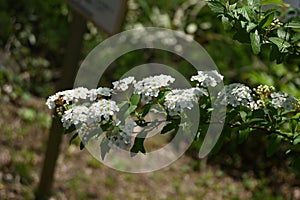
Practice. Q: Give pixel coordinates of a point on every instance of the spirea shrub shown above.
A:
(91, 112)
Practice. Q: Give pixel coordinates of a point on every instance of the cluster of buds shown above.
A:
(276, 23)
(263, 91)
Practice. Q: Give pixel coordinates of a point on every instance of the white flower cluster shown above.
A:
(74, 95)
(283, 100)
(236, 94)
(149, 87)
(178, 100)
(123, 84)
(208, 78)
(79, 115)
(102, 109)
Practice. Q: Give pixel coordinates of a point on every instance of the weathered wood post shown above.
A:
(107, 15)
(68, 73)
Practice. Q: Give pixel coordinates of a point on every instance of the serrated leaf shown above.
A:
(274, 145)
(247, 12)
(135, 99)
(255, 4)
(280, 43)
(255, 42)
(216, 6)
(250, 27)
(73, 138)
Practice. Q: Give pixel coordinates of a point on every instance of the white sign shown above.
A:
(107, 14)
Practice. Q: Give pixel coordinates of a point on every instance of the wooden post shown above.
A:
(69, 71)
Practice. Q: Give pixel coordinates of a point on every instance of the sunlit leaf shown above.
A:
(255, 42)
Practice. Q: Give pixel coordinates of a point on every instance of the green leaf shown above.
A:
(106, 126)
(250, 27)
(283, 34)
(296, 37)
(275, 53)
(242, 36)
(243, 135)
(273, 145)
(297, 140)
(293, 125)
(138, 145)
(116, 130)
(162, 95)
(295, 24)
(243, 115)
(145, 110)
(130, 110)
(276, 2)
(267, 20)
(216, 6)
(255, 4)
(255, 121)
(280, 43)
(104, 147)
(121, 104)
(70, 129)
(135, 99)
(226, 23)
(255, 42)
(73, 138)
(169, 127)
(248, 13)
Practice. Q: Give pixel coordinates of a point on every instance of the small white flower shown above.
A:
(76, 115)
(208, 78)
(101, 91)
(283, 100)
(178, 100)
(102, 109)
(123, 84)
(51, 101)
(236, 94)
(149, 87)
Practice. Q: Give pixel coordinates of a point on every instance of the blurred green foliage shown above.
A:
(34, 35)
